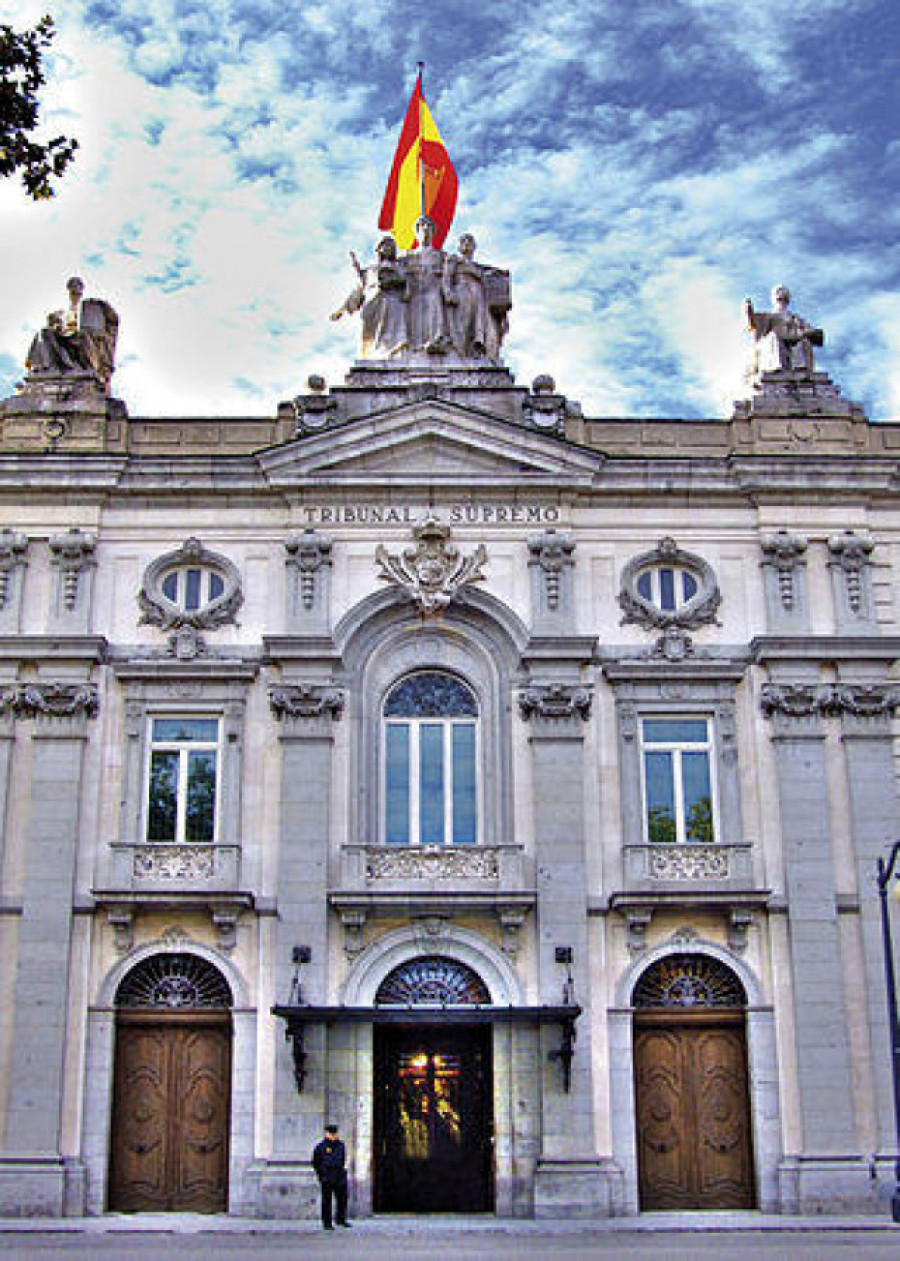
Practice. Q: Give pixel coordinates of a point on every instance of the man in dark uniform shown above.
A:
(330, 1163)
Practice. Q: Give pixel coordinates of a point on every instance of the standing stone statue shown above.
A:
(425, 268)
(382, 298)
(77, 341)
(782, 340)
(467, 296)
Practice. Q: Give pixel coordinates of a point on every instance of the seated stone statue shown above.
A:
(782, 340)
(81, 339)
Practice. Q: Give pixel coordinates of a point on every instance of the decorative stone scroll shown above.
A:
(829, 700)
(555, 701)
(50, 700)
(432, 572)
(553, 553)
(72, 554)
(12, 555)
(307, 554)
(849, 558)
(306, 700)
(784, 552)
(444, 863)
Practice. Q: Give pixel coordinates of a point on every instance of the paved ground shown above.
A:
(674, 1237)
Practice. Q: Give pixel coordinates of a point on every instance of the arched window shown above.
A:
(432, 979)
(174, 980)
(689, 980)
(430, 762)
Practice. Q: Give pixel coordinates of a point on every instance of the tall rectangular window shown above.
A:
(679, 801)
(182, 780)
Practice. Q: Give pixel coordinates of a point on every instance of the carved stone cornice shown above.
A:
(50, 700)
(432, 572)
(829, 700)
(306, 700)
(555, 701)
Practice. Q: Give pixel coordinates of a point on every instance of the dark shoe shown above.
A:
(328, 1228)
(347, 1224)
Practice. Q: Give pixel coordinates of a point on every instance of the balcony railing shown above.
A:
(719, 865)
(433, 867)
(167, 865)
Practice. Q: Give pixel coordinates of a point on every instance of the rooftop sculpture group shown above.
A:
(429, 301)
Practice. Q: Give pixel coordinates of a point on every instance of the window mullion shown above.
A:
(447, 750)
(679, 795)
(414, 783)
(181, 806)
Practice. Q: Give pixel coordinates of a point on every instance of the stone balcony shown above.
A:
(433, 880)
(166, 866)
(716, 866)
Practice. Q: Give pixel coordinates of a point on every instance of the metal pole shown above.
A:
(885, 872)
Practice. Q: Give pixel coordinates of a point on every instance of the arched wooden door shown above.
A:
(172, 1090)
(691, 1087)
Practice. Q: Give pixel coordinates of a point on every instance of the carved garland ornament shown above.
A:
(50, 700)
(829, 700)
(174, 862)
(306, 700)
(432, 572)
(555, 700)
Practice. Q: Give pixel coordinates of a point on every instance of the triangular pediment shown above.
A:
(433, 442)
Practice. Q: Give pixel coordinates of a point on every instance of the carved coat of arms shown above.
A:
(432, 571)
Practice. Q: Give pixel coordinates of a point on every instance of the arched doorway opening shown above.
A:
(433, 1092)
(172, 1088)
(691, 1086)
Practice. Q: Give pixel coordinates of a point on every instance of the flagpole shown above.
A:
(421, 71)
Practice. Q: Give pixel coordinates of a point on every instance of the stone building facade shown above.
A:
(501, 784)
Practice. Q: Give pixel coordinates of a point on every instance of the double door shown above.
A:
(171, 1109)
(693, 1115)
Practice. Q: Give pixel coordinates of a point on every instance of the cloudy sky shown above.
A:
(639, 166)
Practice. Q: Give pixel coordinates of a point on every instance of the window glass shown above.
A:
(677, 775)
(192, 589)
(183, 779)
(667, 589)
(430, 762)
(465, 814)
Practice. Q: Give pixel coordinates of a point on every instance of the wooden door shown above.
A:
(434, 1149)
(171, 1112)
(693, 1114)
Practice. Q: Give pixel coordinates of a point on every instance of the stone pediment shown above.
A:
(436, 443)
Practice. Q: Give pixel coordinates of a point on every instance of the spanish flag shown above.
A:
(422, 179)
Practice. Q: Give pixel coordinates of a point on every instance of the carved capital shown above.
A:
(555, 701)
(12, 554)
(307, 700)
(431, 572)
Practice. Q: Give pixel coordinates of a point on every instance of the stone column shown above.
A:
(32, 1177)
(567, 1177)
(826, 1109)
(307, 713)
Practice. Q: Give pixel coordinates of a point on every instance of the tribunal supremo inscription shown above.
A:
(409, 514)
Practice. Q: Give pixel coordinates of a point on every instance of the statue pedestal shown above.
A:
(60, 411)
(791, 393)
